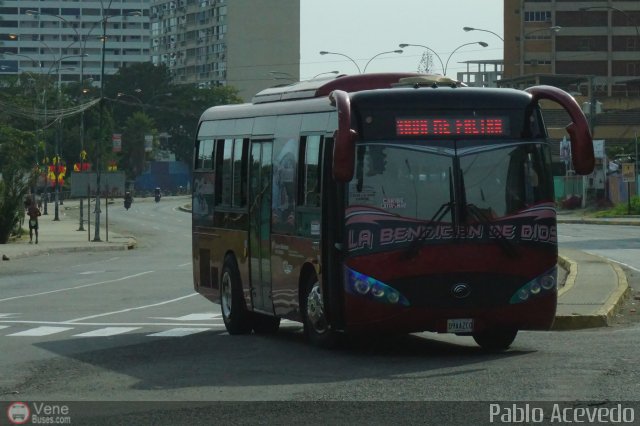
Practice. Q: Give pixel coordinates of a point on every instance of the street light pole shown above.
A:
(96, 236)
(324, 52)
(105, 18)
(381, 53)
(446, 65)
(467, 29)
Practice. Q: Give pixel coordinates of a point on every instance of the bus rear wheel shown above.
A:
(496, 339)
(236, 317)
(316, 324)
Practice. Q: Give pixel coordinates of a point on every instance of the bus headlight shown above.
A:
(539, 285)
(535, 287)
(377, 291)
(548, 282)
(362, 285)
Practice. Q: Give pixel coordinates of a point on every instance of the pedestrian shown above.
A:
(33, 212)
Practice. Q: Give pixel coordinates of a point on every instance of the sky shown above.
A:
(361, 29)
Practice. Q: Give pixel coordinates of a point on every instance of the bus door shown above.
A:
(260, 224)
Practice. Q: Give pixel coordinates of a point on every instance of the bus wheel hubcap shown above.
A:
(226, 295)
(315, 309)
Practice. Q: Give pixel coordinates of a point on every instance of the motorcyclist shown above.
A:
(157, 194)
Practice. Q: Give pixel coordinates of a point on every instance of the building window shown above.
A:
(537, 16)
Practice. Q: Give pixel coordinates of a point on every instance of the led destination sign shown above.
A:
(452, 126)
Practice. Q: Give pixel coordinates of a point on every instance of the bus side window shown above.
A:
(310, 172)
(205, 155)
(284, 193)
(309, 195)
(219, 150)
(240, 164)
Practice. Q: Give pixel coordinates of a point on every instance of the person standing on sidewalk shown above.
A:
(33, 212)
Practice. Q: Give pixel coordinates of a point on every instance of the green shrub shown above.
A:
(13, 188)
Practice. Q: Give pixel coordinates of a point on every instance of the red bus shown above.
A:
(390, 203)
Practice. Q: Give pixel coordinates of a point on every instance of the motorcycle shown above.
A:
(127, 201)
(158, 195)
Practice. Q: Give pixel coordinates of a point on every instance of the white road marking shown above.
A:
(7, 315)
(130, 309)
(3, 326)
(40, 331)
(106, 324)
(178, 332)
(615, 261)
(184, 264)
(192, 317)
(107, 331)
(76, 287)
(90, 272)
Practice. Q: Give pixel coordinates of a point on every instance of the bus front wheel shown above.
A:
(496, 339)
(236, 317)
(316, 325)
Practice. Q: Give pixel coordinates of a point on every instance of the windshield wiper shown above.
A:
(445, 208)
(412, 250)
(506, 245)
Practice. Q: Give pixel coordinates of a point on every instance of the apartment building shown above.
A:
(227, 42)
(202, 42)
(64, 38)
(591, 49)
(597, 38)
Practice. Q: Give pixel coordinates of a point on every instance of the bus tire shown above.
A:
(236, 317)
(496, 339)
(316, 326)
(265, 324)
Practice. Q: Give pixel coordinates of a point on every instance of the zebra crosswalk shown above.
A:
(17, 329)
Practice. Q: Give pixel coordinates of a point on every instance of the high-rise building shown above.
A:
(65, 38)
(241, 43)
(589, 39)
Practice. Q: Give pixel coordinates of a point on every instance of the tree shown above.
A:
(133, 138)
(178, 114)
(17, 177)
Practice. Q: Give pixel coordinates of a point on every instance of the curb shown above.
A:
(572, 267)
(603, 316)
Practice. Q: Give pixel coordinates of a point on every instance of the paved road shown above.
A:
(114, 326)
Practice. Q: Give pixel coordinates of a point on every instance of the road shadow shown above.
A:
(216, 359)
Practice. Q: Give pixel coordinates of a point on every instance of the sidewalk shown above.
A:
(595, 287)
(592, 291)
(63, 235)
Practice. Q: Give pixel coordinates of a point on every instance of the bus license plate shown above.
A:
(460, 325)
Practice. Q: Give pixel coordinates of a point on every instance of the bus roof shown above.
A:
(349, 83)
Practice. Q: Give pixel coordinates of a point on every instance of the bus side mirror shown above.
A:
(344, 138)
(579, 133)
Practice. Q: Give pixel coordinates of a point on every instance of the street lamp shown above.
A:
(553, 29)
(104, 20)
(467, 29)
(382, 53)
(403, 45)
(446, 65)
(324, 52)
(280, 75)
(325, 73)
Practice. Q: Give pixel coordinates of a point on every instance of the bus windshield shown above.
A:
(414, 181)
